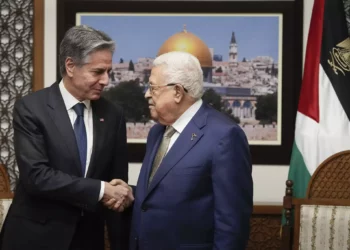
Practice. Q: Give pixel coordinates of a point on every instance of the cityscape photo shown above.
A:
(240, 56)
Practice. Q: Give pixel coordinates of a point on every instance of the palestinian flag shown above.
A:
(322, 122)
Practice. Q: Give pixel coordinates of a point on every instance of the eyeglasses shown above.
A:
(154, 87)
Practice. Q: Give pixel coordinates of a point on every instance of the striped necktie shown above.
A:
(163, 148)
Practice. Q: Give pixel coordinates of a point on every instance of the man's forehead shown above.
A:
(155, 78)
(99, 56)
(157, 72)
(103, 64)
(157, 69)
(151, 79)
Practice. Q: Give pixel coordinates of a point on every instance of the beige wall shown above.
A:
(269, 181)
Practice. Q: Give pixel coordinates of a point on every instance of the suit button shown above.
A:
(144, 208)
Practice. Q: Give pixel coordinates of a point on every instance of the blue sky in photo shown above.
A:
(142, 36)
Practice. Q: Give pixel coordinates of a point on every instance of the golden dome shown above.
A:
(188, 42)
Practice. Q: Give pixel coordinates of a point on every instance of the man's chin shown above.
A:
(154, 115)
(95, 97)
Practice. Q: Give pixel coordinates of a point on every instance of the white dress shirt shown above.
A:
(69, 101)
(180, 124)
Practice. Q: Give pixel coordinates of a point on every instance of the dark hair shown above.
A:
(79, 42)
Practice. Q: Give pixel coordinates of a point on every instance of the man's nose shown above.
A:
(148, 94)
(104, 80)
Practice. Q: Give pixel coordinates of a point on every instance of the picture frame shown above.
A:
(292, 19)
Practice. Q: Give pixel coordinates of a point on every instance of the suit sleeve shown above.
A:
(36, 175)
(233, 191)
(118, 224)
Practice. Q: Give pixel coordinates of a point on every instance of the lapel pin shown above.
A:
(193, 136)
(102, 120)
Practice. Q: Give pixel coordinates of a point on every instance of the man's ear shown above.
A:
(179, 93)
(70, 66)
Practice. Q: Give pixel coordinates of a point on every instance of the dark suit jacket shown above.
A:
(201, 197)
(51, 192)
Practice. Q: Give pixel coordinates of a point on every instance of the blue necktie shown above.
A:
(80, 134)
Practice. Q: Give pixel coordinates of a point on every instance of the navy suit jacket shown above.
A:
(201, 197)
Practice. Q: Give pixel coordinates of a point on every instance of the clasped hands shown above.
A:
(118, 195)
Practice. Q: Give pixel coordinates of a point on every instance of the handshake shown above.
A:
(117, 195)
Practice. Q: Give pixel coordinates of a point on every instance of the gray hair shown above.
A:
(79, 42)
(182, 68)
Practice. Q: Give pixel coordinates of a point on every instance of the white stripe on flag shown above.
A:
(318, 141)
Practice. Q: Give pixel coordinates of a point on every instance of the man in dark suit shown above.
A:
(69, 144)
(195, 189)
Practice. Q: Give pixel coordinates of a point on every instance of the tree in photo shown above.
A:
(130, 95)
(218, 70)
(112, 75)
(266, 108)
(146, 73)
(213, 99)
(274, 71)
(131, 66)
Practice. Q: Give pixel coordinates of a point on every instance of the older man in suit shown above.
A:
(69, 144)
(195, 188)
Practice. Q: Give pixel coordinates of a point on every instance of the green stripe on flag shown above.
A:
(298, 173)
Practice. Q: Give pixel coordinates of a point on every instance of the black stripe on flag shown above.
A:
(335, 54)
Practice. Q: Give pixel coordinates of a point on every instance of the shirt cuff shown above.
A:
(102, 190)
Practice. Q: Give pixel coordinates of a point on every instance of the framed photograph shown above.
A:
(250, 53)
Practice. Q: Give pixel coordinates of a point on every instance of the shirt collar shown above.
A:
(186, 117)
(69, 100)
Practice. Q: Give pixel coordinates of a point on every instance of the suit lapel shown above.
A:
(98, 130)
(189, 137)
(58, 113)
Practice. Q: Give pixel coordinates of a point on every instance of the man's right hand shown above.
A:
(114, 195)
(124, 202)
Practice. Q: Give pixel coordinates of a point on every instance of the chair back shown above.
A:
(321, 220)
